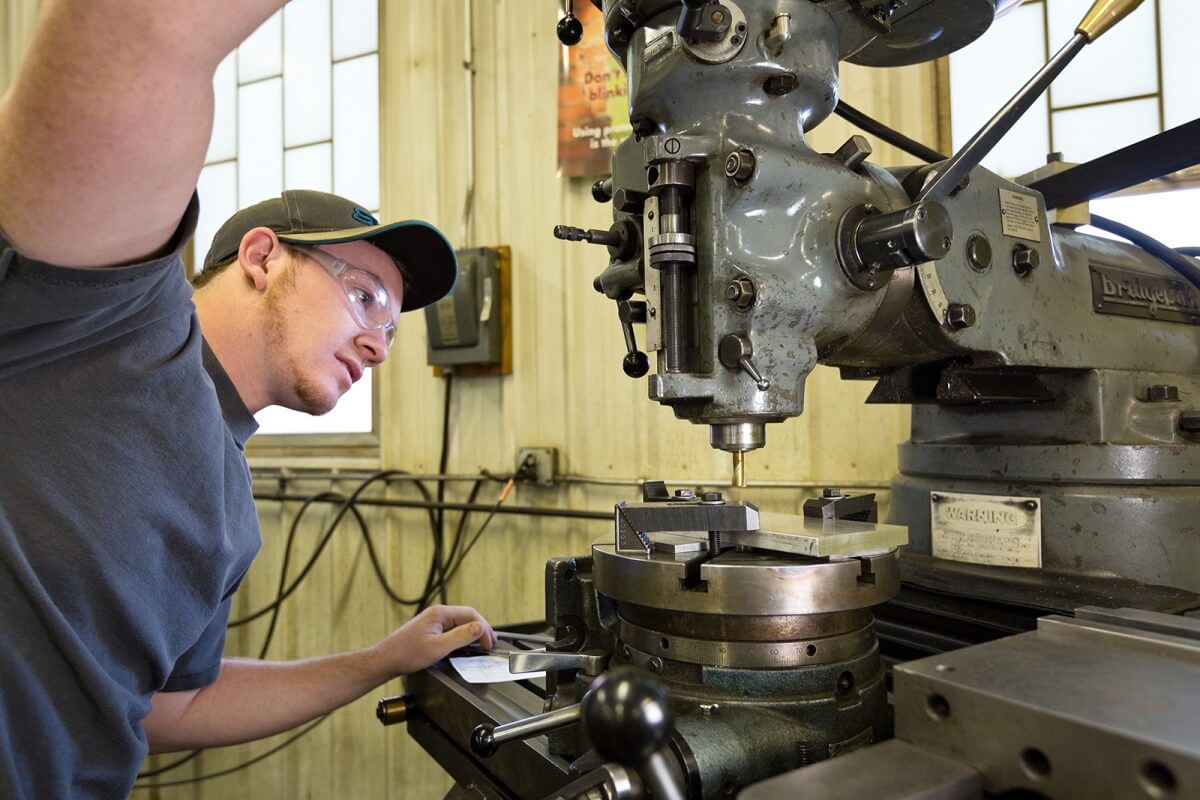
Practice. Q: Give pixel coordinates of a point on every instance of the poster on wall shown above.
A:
(593, 115)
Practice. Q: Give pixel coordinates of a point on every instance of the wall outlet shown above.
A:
(537, 465)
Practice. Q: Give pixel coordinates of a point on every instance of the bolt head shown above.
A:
(740, 292)
(832, 492)
(685, 494)
(1162, 393)
(960, 316)
(779, 85)
(1025, 260)
(739, 165)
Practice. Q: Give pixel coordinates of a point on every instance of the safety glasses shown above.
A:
(369, 300)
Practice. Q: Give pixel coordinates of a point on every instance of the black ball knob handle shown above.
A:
(483, 742)
(627, 715)
(636, 364)
(570, 30)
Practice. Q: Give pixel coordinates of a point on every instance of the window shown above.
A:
(1135, 81)
(297, 107)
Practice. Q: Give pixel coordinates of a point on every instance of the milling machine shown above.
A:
(1054, 461)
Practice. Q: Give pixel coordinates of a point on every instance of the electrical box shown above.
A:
(468, 329)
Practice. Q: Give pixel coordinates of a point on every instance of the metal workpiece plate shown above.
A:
(749, 655)
(744, 583)
(808, 536)
(795, 535)
(1075, 709)
(893, 770)
(743, 524)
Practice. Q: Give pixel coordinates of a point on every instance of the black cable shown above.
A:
(524, 511)
(1189, 251)
(889, 135)
(277, 606)
(438, 552)
(1178, 262)
(179, 762)
(478, 533)
(462, 523)
(346, 504)
(243, 765)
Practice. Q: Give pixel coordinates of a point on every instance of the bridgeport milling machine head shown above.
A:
(759, 257)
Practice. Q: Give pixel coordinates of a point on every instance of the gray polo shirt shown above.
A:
(126, 515)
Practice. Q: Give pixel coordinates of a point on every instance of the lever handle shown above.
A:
(636, 363)
(487, 738)
(569, 29)
(570, 233)
(735, 352)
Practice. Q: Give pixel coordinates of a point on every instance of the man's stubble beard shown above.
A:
(307, 392)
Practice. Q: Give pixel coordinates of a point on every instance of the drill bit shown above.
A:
(739, 468)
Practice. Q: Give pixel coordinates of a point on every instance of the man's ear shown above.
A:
(260, 253)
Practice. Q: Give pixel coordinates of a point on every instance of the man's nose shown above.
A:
(372, 346)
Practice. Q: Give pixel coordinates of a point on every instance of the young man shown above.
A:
(126, 516)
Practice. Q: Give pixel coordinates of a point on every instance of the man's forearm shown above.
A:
(252, 699)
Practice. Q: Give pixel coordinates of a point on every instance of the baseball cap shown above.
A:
(306, 217)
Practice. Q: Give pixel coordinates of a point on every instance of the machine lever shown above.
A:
(735, 352)
(636, 363)
(569, 233)
(540, 660)
(1102, 16)
(570, 29)
(486, 738)
(704, 20)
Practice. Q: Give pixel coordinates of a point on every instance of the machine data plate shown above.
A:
(986, 529)
(1019, 215)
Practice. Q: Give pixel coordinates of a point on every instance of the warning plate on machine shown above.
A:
(1019, 215)
(986, 529)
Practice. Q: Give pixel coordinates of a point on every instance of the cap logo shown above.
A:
(363, 216)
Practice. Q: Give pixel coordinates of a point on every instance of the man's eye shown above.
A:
(364, 297)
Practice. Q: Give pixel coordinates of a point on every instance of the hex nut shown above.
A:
(741, 293)
(960, 316)
(1024, 260)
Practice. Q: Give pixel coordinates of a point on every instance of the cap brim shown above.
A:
(426, 255)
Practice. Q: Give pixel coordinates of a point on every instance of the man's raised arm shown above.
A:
(104, 130)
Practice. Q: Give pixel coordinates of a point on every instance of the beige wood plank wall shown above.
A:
(566, 390)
